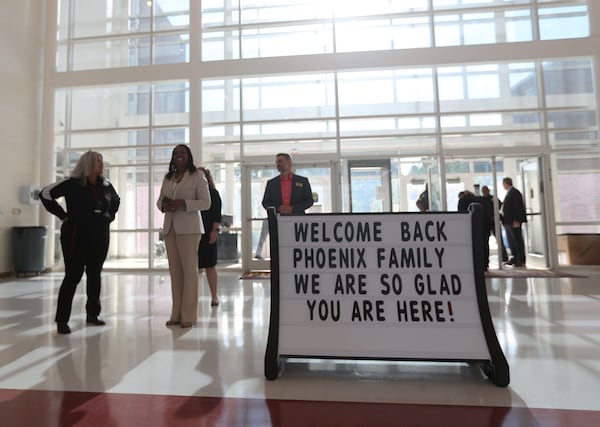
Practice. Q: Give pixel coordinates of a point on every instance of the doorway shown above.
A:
(474, 173)
(256, 173)
(370, 186)
(533, 195)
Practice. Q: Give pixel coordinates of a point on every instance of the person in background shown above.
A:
(465, 198)
(207, 250)
(264, 233)
(183, 194)
(513, 216)
(91, 205)
(486, 194)
(288, 193)
(423, 200)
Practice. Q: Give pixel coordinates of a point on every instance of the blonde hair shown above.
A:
(209, 178)
(86, 165)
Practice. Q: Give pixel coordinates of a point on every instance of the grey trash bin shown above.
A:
(29, 249)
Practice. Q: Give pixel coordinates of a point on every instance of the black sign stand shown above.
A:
(496, 369)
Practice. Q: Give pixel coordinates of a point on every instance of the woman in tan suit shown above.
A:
(183, 194)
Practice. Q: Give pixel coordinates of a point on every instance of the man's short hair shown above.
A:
(508, 181)
(286, 155)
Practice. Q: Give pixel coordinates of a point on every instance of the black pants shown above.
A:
(516, 243)
(84, 249)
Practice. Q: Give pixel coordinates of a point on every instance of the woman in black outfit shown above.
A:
(207, 250)
(91, 203)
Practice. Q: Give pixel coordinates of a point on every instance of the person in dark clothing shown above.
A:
(207, 249)
(423, 200)
(288, 193)
(485, 193)
(465, 198)
(91, 205)
(513, 216)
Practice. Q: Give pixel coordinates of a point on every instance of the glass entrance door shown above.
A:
(370, 185)
(255, 236)
(534, 202)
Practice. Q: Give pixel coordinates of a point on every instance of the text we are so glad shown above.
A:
(352, 295)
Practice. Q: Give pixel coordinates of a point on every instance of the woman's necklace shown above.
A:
(178, 179)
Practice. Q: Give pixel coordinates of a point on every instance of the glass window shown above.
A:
(564, 22)
(577, 172)
(288, 97)
(479, 28)
(102, 107)
(465, 4)
(490, 122)
(568, 83)
(488, 87)
(410, 33)
(116, 121)
(171, 104)
(387, 146)
(169, 14)
(288, 129)
(518, 26)
(363, 36)
(387, 92)
(220, 45)
(97, 34)
(491, 140)
(284, 28)
(171, 48)
(287, 41)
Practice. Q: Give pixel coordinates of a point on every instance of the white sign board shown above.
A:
(378, 286)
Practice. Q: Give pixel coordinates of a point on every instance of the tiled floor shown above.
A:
(136, 372)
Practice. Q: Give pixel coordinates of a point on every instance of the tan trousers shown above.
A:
(182, 253)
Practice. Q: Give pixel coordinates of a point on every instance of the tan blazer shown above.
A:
(194, 190)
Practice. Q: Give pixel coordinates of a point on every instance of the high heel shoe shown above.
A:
(172, 322)
(186, 324)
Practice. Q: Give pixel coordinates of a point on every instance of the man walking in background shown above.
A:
(513, 216)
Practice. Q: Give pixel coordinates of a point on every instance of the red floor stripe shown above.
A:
(55, 408)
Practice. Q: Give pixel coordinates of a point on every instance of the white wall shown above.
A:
(20, 83)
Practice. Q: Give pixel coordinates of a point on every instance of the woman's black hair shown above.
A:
(191, 168)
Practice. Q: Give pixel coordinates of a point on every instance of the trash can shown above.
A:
(227, 246)
(29, 249)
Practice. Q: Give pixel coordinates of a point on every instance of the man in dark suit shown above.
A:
(288, 193)
(513, 216)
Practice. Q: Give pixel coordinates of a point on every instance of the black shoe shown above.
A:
(63, 328)
(95, 321)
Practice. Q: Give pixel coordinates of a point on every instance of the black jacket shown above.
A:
(513, 207)
(86, 203)
(302, 198)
